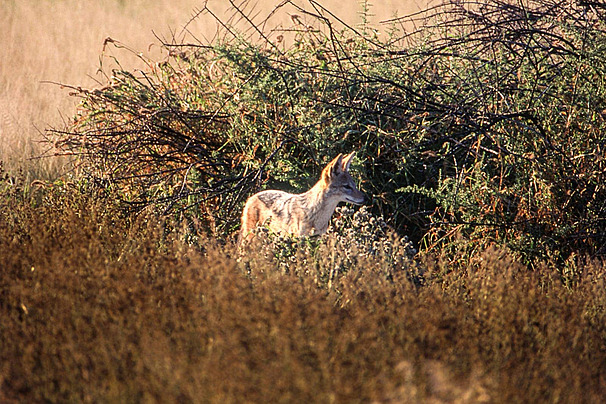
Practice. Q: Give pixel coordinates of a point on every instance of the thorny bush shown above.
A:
(485, 124)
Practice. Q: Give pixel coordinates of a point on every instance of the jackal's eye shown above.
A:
(347, 186)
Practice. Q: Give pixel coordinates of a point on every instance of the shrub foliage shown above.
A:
(484, 123)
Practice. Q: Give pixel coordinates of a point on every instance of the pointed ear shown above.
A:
(347, 161)
(333, 168)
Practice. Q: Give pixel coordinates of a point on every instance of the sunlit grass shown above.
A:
(98, 305)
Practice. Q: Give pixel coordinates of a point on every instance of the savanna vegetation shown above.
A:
(475, 275)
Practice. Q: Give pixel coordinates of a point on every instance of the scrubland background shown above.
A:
(476, 274)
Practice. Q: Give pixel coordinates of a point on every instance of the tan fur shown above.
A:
(305, 214)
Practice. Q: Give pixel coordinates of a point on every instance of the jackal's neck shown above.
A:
(320, 205)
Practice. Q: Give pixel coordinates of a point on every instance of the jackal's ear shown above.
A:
(347, 161)
(333, 168)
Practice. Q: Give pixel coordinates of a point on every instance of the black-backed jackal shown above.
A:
(305, 214)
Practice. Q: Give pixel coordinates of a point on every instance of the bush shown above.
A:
(485, 124)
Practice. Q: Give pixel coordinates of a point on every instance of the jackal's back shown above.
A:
(277, 206)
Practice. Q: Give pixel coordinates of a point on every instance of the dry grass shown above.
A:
(62, 41)
(99, 306)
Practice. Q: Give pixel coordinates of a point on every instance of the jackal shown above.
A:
(305, 214)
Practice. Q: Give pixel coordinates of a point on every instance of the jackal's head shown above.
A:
(339, 182)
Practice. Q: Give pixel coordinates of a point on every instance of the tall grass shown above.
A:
(61, 41)
(99, 305)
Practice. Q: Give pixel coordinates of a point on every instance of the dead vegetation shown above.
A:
(99, 305)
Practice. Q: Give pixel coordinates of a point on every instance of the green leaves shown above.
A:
(485, 124)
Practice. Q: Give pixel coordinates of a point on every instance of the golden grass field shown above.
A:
(62, 42)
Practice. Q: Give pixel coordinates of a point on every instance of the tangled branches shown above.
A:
(477, 119)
